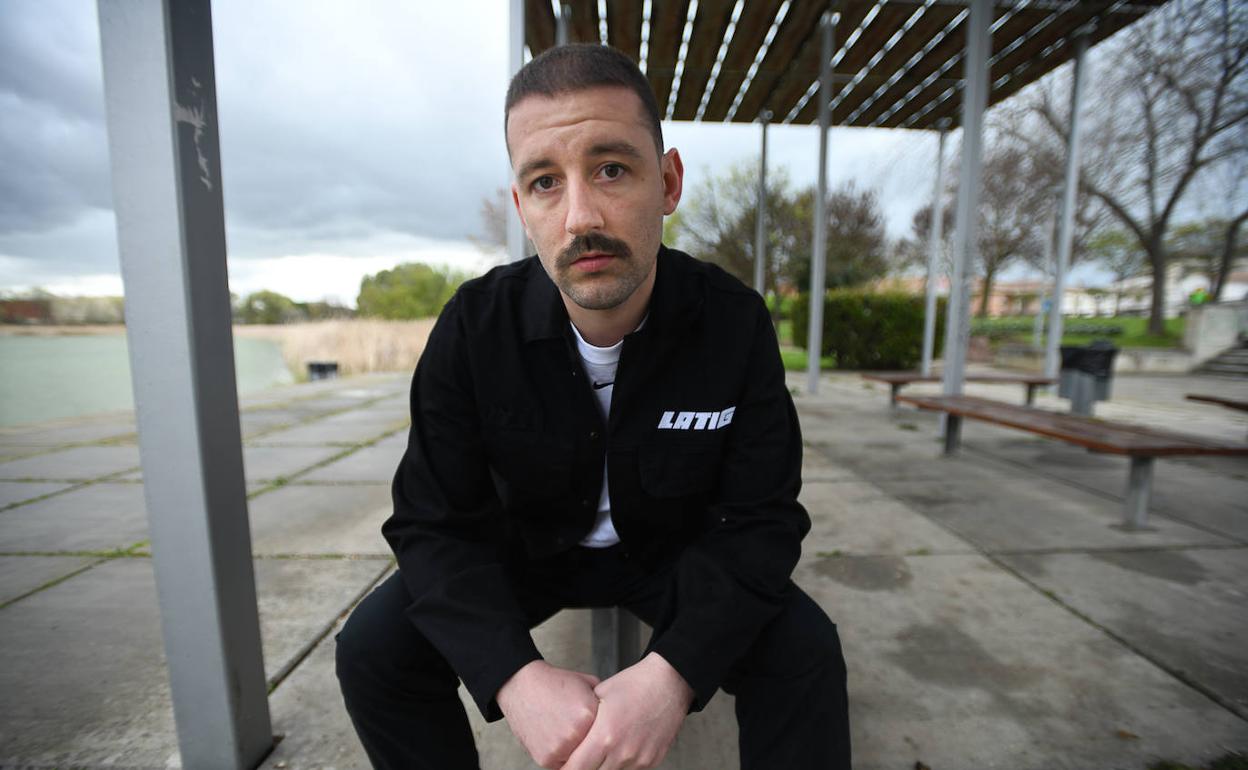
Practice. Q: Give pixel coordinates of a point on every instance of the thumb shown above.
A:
(593, 680)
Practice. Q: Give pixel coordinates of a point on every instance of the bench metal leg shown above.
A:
(616, 635)
(1139, 490)
(1031, 395)
(953, 433)
(893, 387)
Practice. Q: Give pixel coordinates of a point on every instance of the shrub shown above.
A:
(865, 330)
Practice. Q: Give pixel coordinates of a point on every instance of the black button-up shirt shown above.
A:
(505, 461)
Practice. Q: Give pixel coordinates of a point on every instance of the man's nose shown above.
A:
(584, 213)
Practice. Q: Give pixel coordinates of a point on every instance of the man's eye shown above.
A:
(613, 171)
(544, 183)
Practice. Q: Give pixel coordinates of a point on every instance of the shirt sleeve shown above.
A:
(732, 580)
(447, 529)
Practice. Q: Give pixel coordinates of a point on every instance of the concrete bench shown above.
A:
(897, 380)
(1141, 445)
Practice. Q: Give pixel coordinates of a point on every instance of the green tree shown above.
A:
(411, 290)
(268, 307)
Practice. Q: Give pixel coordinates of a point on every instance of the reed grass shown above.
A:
(359, 345)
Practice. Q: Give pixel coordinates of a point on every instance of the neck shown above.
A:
(604, 328)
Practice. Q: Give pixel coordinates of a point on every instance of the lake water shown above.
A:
(49, 378)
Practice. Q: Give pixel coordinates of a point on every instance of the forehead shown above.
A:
(540, 124)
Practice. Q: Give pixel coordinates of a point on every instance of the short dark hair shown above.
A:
(576, 67)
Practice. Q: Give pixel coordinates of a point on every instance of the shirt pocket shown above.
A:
(679, 469)
(529, 464)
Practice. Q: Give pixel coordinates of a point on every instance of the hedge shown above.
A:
(1006, 328)
(866, 330)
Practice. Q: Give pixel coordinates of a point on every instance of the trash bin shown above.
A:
(322, 370)
(1087, 372)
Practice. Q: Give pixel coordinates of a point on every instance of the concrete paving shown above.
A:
(993, 613)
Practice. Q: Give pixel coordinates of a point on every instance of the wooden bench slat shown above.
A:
(1229, 403)
(1115, 438)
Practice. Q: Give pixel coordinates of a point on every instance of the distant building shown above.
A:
(1012, 298)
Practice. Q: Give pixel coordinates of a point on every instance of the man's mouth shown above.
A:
(592, 261)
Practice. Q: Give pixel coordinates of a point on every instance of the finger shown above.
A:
(588, 756)
(593, 680)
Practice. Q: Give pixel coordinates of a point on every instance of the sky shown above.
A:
(354, 137)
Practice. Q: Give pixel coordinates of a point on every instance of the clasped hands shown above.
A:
(573, 721)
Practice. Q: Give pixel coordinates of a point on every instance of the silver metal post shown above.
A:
(1139, 491)
(561, 24)
(515, 60)
(615, 639)
(818, 255)
(933, 256)
(161, 108)
(966, 249)
(1066, 229)
(760, 229)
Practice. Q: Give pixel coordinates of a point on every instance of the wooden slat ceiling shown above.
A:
(898, 62)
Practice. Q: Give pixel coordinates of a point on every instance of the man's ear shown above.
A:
(673, 171)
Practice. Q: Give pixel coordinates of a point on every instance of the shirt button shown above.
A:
(585, 502)
(593, 435)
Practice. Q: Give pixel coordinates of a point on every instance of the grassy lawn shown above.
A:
(795, 359)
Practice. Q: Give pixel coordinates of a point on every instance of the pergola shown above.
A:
(929, 65)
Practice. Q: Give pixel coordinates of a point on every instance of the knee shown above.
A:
(800, 641)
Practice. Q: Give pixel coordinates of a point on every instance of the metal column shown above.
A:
(561, 24)
(1067, 225)
(818, 255)
(965, 247)
(760, 229)
(160, 100)
(1139, 491)
(933, 257)
(515, 60)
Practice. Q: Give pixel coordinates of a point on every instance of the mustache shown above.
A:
(583, 244)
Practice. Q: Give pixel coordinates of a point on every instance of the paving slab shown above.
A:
(955, 663)
(817, 467)
(88, 659)
(14, 492)
(1219, 496)
(266, 463)
(374, 413)
(857, 518)
(1184, 608)
(322, 432)
(87, 430)
(21, 574)
(321, 519)
(376, 463)
(13, 451)
(95, 517)
(1037, 514)
(74, 464)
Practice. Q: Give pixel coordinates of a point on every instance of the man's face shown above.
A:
(592, 191)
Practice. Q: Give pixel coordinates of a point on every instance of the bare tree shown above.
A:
(1172, 106)
(494, 212)
(717, 222)
(857, 241)
(1119, 253)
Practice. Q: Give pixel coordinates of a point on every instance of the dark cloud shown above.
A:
(338, 122)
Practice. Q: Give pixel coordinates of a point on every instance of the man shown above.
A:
(606, 424)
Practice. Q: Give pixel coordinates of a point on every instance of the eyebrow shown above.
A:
(604, 148)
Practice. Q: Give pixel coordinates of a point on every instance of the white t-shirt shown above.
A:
(600, 365)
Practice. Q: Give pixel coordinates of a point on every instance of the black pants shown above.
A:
(402, 695)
